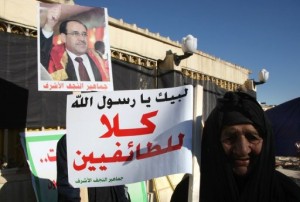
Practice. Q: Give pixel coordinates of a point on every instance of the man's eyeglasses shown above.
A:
(77, 34)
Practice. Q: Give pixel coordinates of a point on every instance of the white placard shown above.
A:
(123, 137)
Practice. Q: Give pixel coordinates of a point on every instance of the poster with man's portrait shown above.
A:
(73, 48)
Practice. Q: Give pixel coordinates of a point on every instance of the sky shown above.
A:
(253, 34)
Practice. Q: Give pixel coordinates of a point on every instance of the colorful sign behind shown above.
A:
(40, 150)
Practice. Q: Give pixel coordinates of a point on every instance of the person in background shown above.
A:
(67, 193)
(72, 60)
(237, 156)
(100, 47)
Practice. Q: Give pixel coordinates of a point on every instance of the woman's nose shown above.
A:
(242, 146)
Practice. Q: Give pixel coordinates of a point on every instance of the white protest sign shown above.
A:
(123, 137)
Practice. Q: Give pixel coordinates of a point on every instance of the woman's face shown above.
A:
(240, 142)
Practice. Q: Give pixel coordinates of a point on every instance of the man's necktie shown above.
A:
(82, 70)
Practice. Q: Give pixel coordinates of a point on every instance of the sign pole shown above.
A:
(194, 182)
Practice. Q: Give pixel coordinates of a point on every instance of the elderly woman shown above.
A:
(238, 161)
(237, 157)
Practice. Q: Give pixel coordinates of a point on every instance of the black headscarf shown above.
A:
(218, 182)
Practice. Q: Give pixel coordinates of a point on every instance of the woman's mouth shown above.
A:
(241, 162)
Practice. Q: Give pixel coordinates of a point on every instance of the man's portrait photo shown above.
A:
(73, 48)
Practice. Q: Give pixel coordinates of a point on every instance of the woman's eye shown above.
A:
(253, 138)
(229, 139)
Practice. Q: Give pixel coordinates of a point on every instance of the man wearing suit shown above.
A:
(72, 60)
